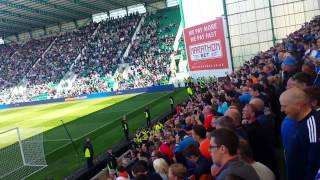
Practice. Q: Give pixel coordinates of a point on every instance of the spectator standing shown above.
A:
(140, 168)
(235, 115)
(245, 154)
(259, 139)
(111, 160)
(199, 135)
(222, 104)
(201, 164)
(177, 172)
(208, 117)
(302, 155)
(264, 116)
(314, 95)
(161, 167)
(223, 146)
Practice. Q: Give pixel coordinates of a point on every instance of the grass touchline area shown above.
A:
(99, 119)
(36, 119)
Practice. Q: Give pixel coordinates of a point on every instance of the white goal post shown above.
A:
(20, 154)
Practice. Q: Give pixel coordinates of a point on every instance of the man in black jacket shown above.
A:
(140, 168)
(111, 160)
(125, 127)
(259, 139)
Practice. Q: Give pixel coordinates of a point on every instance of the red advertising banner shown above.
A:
(206, 47)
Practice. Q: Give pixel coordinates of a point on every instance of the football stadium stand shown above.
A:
(236, 127)
(84, 61)
(216, 106)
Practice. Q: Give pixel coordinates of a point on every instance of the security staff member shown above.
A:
(111, 160)
(147, 115)
(88, 152)
(171, 102)
(125, 127)
(202, 83)
(189, 91)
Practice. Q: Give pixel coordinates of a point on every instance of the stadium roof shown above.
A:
(18, 16)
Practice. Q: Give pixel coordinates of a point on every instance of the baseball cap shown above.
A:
(289, 61)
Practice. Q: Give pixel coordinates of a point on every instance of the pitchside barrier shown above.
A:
(92, 96)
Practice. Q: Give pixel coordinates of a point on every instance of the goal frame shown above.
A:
(19, 139)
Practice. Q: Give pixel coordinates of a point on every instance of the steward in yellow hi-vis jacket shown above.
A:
(88, 152)
(147, 115)
(125, 127)
(171, 101)
(189, 91)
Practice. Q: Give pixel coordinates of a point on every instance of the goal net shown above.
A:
(20, 155)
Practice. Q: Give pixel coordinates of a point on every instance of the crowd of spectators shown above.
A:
(92, 53)
(101, 55)
(16, 61)
(149, 57)
(57, 61)
(100, 58)
(19, 59)
(235, 127)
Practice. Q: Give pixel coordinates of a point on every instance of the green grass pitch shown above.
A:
(99, 119)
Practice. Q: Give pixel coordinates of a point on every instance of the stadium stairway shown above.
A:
(122, 68)
(134, 37)
(42, 56)
(69, 78)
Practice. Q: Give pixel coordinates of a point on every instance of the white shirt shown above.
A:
(263, 171)
(314, 53)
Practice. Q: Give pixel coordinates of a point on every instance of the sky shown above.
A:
(201, 11)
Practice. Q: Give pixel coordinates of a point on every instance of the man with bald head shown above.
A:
(303, 152)
(266, 120)
(289, 126)
(235, 115)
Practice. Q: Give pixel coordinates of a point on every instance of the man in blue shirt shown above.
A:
(201, 164)
(302, 154)
(288, 129)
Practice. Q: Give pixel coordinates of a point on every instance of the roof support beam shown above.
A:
(45, 30)
(145, 4)
(13, 26)
(15, 23)
(9, 30)
(35, 21)
(35, 11)
(30, 34)
(114, 3)
(76, 24)
(87, 5)
(15, 29)
(60, 7)
(17, 36)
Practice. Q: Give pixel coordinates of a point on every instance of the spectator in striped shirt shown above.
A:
(303, 154)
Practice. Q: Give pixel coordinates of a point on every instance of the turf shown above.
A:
(99, 119)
